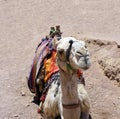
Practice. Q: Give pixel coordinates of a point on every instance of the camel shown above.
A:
(67, 96)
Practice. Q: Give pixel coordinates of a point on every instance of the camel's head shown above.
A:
(73, 52)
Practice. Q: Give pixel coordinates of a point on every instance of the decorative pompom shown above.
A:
(43, 98)
(39, 110)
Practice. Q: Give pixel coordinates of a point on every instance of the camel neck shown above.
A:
(68, 87)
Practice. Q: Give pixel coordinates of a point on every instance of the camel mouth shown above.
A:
(85, 68)
(84, 64)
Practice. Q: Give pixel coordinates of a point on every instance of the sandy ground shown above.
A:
(23, 23)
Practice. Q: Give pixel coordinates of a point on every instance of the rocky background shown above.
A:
(22, 25)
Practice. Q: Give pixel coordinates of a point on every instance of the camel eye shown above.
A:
(61, 51)
(79, 53)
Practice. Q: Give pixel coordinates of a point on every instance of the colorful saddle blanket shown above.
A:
(41, 52)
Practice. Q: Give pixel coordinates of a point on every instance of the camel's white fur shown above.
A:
(70, 91)
(51, 102)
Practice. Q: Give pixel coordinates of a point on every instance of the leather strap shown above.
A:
(71, 106)
(68, 50)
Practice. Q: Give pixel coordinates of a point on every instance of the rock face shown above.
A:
(111, 68)
(100, 42)
(107, 54)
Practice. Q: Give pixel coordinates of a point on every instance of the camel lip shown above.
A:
(85, 68)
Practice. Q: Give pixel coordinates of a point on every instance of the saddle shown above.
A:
(42, 53)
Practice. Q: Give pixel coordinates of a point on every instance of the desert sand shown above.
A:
(22, 25)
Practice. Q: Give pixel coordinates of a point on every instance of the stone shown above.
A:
(23, 93)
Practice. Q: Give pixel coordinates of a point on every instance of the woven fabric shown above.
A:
(54, 77)
(41, 52)
(50, 66)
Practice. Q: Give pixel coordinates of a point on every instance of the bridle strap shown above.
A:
(68, 51)
(71, 106)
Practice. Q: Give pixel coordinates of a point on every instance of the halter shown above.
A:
(69, 67)
(68, 51)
